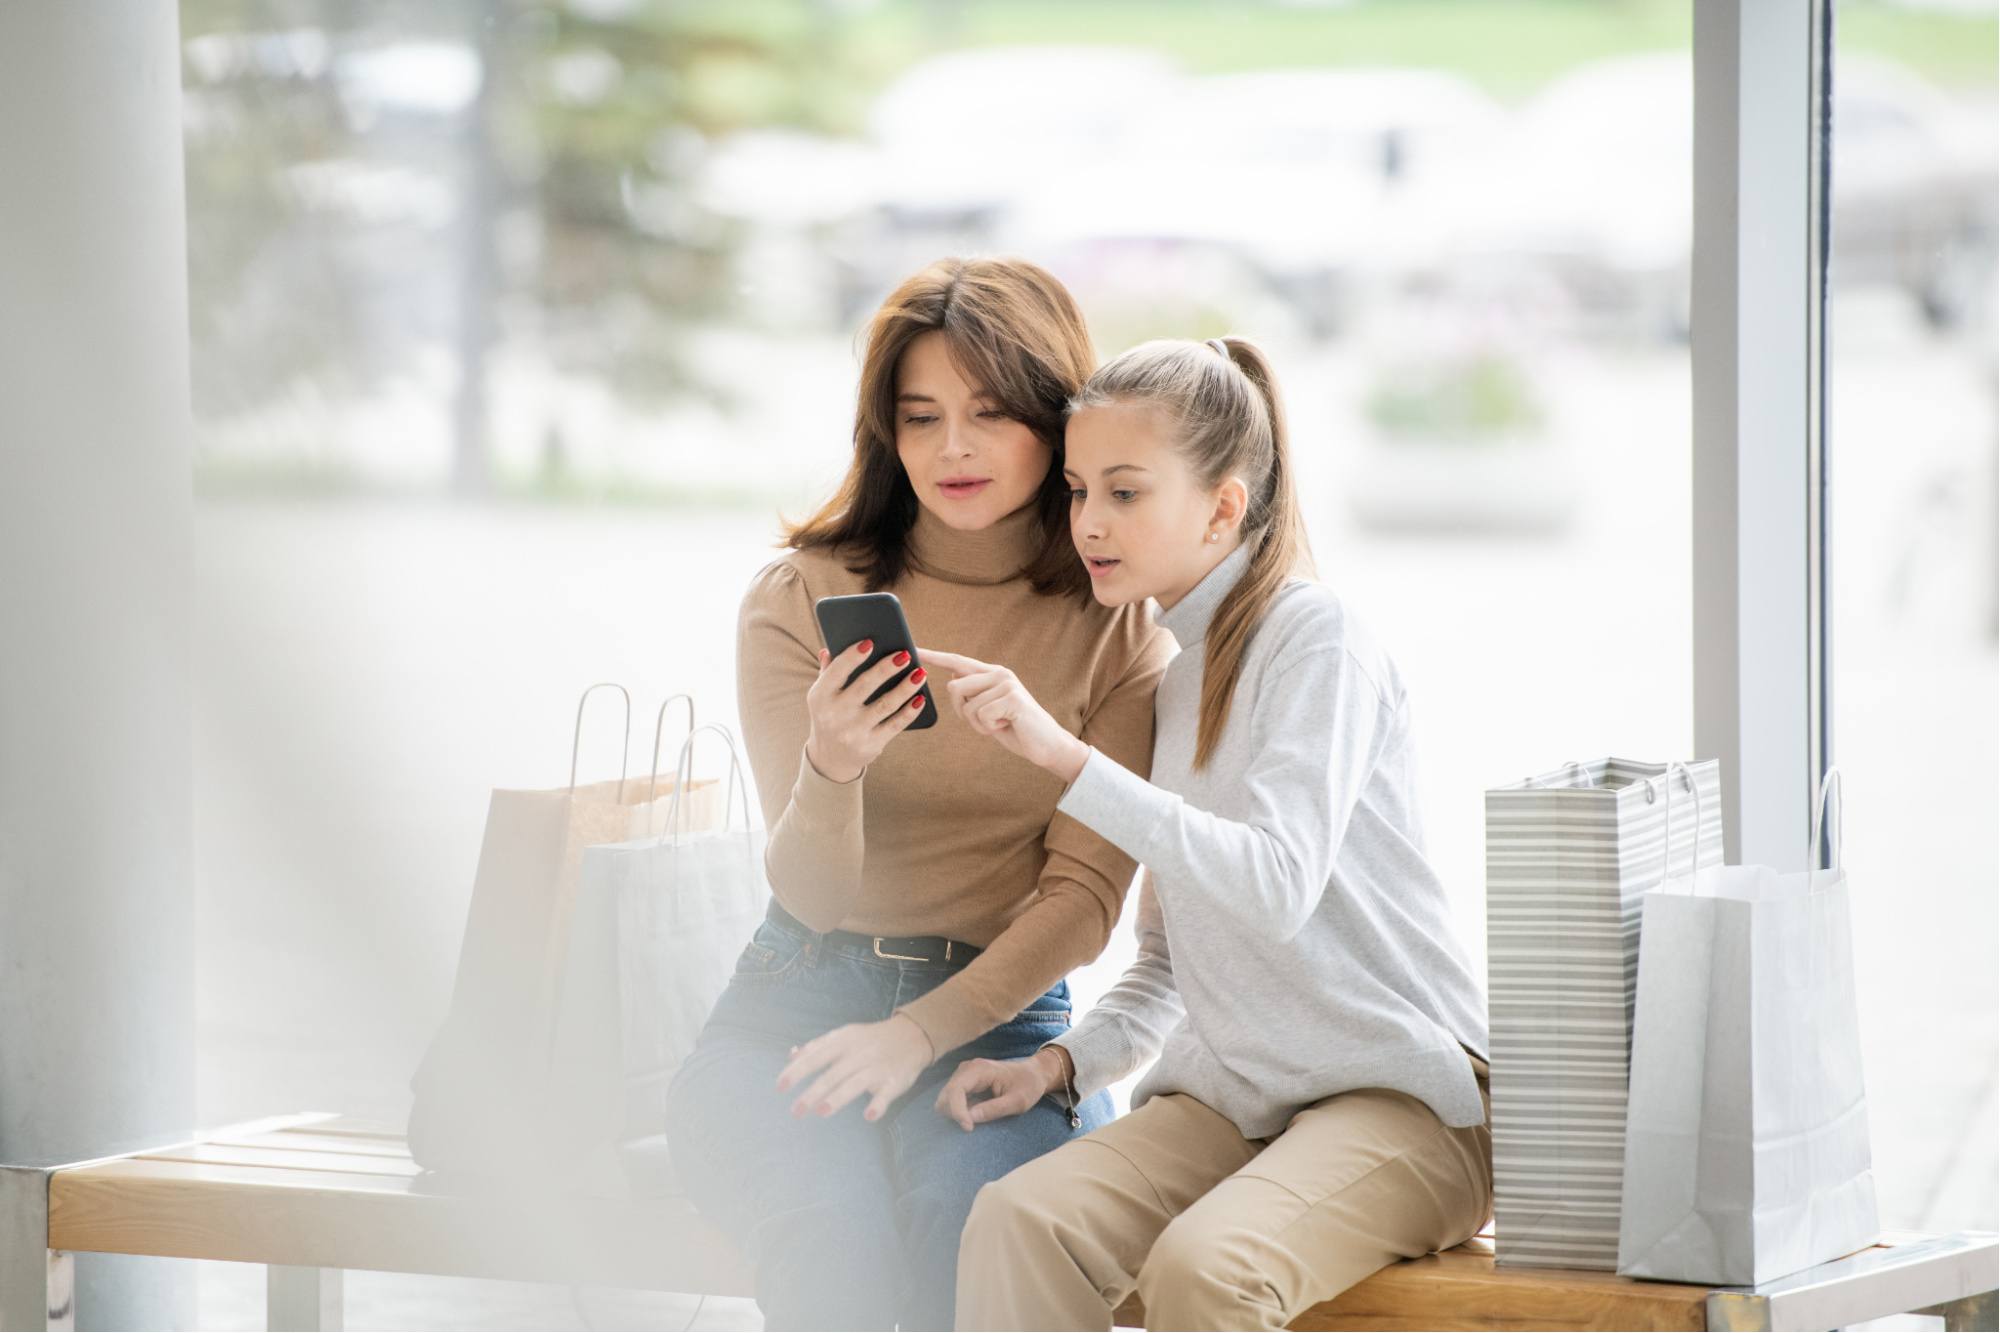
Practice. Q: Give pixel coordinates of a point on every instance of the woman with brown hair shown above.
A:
(928, 900)
(1319, 1104)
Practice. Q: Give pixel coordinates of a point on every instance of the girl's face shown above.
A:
(970, 463)
(1138, 514)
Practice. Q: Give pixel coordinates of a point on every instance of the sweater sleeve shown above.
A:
(813, 852)
(1084, 878)
(1318, 725)
(1129, 1024)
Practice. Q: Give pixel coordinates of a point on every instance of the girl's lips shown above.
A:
(1099, 568)
(959, 490)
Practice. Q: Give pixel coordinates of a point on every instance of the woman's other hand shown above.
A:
(1009, 1087)
(847, 731)
(880, 1059)
(995, 703)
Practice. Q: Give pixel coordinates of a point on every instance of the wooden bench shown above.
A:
(310, 1196)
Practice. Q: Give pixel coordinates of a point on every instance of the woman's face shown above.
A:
(969, 462)
(1138, 514)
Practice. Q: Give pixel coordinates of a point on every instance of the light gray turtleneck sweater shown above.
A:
(1294, 942)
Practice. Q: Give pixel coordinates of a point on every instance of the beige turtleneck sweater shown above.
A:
(947, 833)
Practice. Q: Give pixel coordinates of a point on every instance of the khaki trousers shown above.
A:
(1216, 1231)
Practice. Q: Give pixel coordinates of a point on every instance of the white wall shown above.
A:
(96, 928)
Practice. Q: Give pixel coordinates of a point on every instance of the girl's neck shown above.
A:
(1213, 555)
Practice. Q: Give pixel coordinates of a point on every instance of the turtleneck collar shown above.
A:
(994, 554)
(1188, 622)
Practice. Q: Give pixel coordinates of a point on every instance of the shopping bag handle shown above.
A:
(576, 737)
(1694, 847)
(684, 774)
(1828, 785)
(659, 731)
(1583, 771)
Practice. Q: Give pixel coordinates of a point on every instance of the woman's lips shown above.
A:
(959, 490)
(1098, 566)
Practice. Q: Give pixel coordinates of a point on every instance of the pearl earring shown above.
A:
(1211, 536)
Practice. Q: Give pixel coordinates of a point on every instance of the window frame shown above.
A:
(1762, 124)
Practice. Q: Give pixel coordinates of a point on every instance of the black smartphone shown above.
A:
(846, 621)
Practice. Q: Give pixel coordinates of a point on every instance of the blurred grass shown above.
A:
(1510, 47)
(227, 480)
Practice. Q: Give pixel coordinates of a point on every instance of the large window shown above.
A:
(1912, 680)
(516, 327)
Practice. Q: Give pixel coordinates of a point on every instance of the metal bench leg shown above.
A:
(302, 1300)
(40, 1299)
(61, 1288)
(1968, 1312)
(37, 1284)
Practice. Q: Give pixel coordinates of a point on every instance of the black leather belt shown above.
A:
(891, 948)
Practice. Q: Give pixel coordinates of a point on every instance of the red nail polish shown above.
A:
(865, 647)
(917, 703)
(917, 676)
(902, 659)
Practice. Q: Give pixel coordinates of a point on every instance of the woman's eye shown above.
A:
(1125, 497)
(918, 421)
(1075, 496)
(993, 414)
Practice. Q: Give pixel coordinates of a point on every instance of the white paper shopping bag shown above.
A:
(1746, 1142)
(495, 1093)
(660, 922)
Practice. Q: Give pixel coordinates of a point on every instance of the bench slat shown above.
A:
(255, 1155)
(332, 1219)
(310, 1141)
(1462, 1289)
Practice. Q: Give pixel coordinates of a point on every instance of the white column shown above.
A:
(96, 899)
(1753, 364)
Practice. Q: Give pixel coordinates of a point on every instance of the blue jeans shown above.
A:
(850, 1224)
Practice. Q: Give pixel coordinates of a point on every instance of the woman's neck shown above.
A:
(997, 553)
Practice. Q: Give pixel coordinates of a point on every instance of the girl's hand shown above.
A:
(994, 703)
(882, 1059)
(1011, 1087)
(848, 733)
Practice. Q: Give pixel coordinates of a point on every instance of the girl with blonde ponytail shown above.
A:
(1318, 1107)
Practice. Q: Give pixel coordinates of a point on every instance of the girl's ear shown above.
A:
(1232, 498)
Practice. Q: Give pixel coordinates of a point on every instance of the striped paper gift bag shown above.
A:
(1569, 857)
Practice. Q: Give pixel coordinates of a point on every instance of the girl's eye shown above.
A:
(1075, 495)
(1124, 497)
(918, 421)
(993, 414)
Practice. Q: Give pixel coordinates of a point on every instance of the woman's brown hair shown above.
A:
(1221, 399)
(1015, 333)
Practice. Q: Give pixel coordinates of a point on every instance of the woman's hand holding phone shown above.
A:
(848, 732)
(995, 703)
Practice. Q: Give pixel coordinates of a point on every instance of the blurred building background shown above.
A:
(517, 325)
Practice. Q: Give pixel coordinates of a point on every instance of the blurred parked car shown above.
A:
(1293, 172)
(1584, 215)
(963, 136)
(1914, 189)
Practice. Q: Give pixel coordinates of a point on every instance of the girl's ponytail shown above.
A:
(1275, 529)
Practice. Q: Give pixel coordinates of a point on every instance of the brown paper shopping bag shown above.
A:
(494, 1094)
